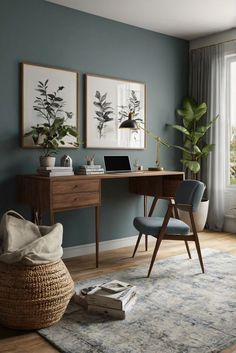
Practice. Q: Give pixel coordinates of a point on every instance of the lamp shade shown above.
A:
(130, 123)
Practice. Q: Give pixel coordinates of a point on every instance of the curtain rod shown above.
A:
(212, 45)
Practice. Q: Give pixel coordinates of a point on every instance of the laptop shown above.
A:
(117, 164)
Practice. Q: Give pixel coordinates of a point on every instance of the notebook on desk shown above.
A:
(117, 164)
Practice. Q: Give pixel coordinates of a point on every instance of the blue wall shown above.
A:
(43, 33)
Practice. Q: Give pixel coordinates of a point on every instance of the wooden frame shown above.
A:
(31, 74)
(108, 103)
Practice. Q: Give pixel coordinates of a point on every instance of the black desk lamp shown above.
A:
(130, 123)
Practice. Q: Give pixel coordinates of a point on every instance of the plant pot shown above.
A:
(47, 161)
(200, 216)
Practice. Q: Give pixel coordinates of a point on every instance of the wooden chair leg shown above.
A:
(158, 243)
(145, 215)
(137, 243)
(187, 247)
(195, 235)
(199, 252)
(160, 237)
(146, 242)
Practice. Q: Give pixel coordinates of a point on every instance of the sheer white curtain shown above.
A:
(208, 84)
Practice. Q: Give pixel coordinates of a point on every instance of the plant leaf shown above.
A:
(98, 95)
(180, 128)
(194, 166)
(207, 149)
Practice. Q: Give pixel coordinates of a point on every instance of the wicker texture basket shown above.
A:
(33, 297)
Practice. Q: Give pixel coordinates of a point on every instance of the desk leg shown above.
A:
(97, 209)
(145, 215)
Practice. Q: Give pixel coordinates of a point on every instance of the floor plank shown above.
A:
(12, 341)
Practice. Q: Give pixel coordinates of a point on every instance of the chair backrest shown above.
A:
(190, 192)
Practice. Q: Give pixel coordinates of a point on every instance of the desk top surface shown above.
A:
(108, 176)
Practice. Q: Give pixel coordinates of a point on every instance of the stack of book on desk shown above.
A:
(112, 299)
(55, 171)
(90, 169)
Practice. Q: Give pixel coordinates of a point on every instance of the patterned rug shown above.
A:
(178, 310)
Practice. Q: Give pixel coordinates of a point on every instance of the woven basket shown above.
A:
(33, 297)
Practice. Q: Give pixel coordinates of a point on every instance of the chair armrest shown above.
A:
(183, 207)
(168, 198)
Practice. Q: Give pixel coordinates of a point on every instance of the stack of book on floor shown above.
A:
(90, 169)
(55, 171)
(113, 299)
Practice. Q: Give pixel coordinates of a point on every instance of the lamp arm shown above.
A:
(157, 138)
(159, 142)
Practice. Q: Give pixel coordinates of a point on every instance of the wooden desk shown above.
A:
(57, 194)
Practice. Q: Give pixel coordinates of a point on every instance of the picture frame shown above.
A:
(68, 80)
(108, 103)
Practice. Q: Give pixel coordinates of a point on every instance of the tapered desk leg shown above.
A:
(97, 209)
(145, 215)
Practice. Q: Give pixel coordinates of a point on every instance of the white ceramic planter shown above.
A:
(200, 216)
(47, 161)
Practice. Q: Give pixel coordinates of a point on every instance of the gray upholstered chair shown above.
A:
(188, 196)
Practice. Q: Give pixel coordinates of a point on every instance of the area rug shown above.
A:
(178, 310)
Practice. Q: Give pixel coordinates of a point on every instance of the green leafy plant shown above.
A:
(133, 107)
(103, 113)
(194, 147)
(51, 134)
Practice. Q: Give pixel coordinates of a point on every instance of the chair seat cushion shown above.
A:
(152, 226)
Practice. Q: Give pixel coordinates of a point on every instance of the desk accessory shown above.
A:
(130, 123)
(66, 161)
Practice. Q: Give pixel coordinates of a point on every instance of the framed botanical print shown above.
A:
(109, 102)
(48, 95)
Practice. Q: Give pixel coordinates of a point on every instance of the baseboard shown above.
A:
(80, 250)
(230, 223)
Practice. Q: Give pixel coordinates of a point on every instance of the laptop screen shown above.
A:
(117, 164)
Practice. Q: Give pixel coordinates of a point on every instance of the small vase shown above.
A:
(47, 161)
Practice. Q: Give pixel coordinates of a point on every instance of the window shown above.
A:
(231, 109)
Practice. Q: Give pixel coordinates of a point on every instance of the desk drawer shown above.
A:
(84, 199)
(75, 186)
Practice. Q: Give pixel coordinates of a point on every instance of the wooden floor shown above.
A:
(83, 267)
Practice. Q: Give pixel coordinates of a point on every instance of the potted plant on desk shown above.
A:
(194, 147)
(51, 133)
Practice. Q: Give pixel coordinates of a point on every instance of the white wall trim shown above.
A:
(80, 250)
(214, 39)
(230, 224)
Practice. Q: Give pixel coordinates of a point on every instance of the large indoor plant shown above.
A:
(51, 133)
(194, 145)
